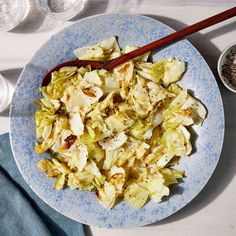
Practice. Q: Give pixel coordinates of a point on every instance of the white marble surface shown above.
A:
(213, 211)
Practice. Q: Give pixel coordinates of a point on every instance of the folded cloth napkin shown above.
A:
(22, 212)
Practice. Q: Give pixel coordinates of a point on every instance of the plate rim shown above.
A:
(196, 51)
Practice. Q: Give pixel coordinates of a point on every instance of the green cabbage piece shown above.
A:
(119, 122)
(171, 176)
(139, 170)
(59, 82)
(136, 194)
(83, 181)
(110, 159)
(117, 177)
(43, 119)
(93, 169)
(60, 182)
(49, 105)
(125, 72)
(107, 195)
(139, 128)
(177, 142)
(77, 157)
(174, 70)
(157, 189)
(59, 124)
(140, 99)
(165, 71)
(106, 49)
(48, 168)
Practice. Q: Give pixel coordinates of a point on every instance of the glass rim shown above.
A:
(68, 14)
(4, 99)
(15, 22)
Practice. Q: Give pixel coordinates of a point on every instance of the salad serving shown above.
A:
(118, 133)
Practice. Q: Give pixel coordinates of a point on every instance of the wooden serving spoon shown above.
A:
(109, 65)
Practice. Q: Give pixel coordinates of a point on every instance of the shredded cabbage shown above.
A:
(118, 133)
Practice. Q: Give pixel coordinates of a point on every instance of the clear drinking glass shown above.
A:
(12, 12)
(6, 92)
(61, 9)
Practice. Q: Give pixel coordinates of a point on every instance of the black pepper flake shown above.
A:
(229, 68)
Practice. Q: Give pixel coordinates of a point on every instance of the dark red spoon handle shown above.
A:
(172, 38)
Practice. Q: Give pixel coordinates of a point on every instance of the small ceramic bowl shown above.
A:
(221, 61)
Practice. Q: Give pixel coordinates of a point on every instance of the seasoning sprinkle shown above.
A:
(229, 68)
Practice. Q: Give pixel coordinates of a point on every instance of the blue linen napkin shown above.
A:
(22, 212)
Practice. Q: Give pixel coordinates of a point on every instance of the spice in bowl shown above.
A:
(229, 68)
(226, 67)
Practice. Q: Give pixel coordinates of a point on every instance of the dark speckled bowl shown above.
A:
(221, 62)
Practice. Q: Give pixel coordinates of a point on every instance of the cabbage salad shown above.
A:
(118, 133)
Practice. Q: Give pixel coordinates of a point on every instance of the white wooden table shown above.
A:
(213, 211)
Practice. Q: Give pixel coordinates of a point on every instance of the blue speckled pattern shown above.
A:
(83, 206)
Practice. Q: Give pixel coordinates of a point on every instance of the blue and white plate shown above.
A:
(81, 205)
